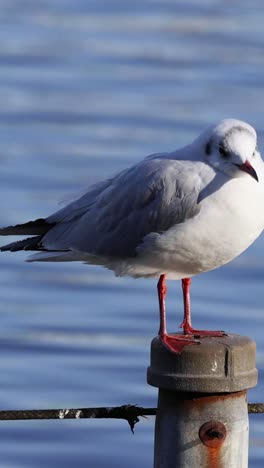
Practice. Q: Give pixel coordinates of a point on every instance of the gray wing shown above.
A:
(115, 216)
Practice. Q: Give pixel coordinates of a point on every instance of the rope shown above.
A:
(130, 413)
(256, 408)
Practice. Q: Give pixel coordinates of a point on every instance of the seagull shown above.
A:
(173, 215)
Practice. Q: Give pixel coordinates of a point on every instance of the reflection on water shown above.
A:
(87, 88)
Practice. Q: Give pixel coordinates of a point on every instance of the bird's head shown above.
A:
(231, 147)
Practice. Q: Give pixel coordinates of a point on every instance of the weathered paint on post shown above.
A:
(203, 429)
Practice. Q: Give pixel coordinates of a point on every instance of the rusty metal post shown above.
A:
(202, 417)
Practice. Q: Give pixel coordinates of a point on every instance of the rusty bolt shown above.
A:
(212, 434)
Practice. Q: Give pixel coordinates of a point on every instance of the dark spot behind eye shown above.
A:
(224, 153)
(208, 148)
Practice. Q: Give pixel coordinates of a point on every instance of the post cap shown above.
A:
(216, 365)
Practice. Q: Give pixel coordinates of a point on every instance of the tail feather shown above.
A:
(34, 228)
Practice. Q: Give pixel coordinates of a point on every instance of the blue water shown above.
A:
(87, 88)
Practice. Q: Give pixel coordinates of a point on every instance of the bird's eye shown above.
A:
(255, 151)
(223, 152)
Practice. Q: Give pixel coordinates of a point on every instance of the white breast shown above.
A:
(230, 219)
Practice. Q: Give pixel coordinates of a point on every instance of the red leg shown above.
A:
(187, 323)
(174, 343)
(162, 291)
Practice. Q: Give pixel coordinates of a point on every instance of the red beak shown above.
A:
(246, 167)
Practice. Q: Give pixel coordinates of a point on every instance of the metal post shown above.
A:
(202, 417)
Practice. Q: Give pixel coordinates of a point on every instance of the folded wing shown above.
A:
(113, 218)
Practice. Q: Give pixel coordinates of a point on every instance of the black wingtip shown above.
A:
(38, 227)
(31, 243)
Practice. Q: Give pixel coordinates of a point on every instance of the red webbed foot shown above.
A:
(176, 343)
(190, 331)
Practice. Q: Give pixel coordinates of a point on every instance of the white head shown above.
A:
(231, 147)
